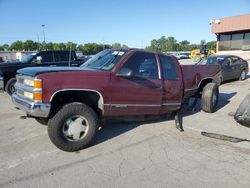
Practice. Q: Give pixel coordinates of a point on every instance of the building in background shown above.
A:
(233, 35)
(14, 55)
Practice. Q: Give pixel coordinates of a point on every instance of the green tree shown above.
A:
(116, 46)
(203, 42)
(164, 44)
(211, 45)
(193, 47)
(18, 45)
(171, 44)
(30, 45)
(124, 46)
(71, 45)
(48, 46)
(90, 48)
(154, 46)
(59, 46)
(6, 47)
(184, 45)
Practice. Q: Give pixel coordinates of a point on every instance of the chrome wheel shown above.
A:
(75, 128)
(243, 75)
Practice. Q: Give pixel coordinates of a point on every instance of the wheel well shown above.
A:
(6, 79)
(90, 98)
(203, 84)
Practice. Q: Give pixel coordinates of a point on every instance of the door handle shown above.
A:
(158, 87)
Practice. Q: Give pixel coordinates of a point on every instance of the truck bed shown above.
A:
(194, 74)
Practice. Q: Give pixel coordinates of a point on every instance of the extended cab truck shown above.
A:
(112, 83)
(42, 58)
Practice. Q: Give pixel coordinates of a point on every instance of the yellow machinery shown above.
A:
(199, 54)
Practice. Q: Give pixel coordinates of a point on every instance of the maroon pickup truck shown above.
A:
(131, 82)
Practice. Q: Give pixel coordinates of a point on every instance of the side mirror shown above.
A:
(39, 59)
(228, 63)
(124, 72)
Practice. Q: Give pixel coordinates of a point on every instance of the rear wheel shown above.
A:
(9, 87)
(209, 98)
(73, 127)
(243, 75)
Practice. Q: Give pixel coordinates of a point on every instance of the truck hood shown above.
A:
(12, 63)
(34, 71)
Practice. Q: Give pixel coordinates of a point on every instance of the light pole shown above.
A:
(43, 33)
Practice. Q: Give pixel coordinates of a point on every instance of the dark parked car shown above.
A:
(232, 67)
(41, 58)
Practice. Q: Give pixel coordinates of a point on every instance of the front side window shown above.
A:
(142, 65)
(169, 68)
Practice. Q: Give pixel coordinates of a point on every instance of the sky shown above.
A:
(131, 22)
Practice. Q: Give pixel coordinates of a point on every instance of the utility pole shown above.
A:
(43, 26)
(38, 42)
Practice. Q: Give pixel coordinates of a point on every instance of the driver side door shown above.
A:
(140, 93)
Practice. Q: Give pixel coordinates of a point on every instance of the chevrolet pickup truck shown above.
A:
(113, 83)
(40, 58)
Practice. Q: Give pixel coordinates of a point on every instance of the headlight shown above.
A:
(34, 89)
(28, 95)
(28, 82)
(36, 83)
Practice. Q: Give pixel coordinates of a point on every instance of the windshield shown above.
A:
(211, 60)
(28, 58)
(105, 60)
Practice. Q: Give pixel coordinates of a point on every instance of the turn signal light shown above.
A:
(37, 84)
(38, 96)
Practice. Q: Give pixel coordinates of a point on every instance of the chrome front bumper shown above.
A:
(30, 107)
(1, 84)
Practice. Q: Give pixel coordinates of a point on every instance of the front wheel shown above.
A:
(209, 98)
(10, 86)
(73, 127)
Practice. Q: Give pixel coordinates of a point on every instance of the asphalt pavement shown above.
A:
(131, 154)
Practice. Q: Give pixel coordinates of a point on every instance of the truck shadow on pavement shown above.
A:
(113, 128)
(224, 99)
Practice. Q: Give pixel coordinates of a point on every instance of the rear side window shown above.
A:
(235, 60)
(169, 68)
(62, 56)
(47, 56)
